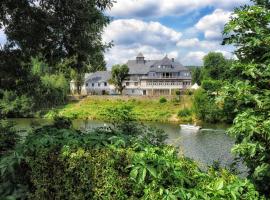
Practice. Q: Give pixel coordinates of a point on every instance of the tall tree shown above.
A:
(119, 74)
(57, 30)
(249, 31)
(196, 75)
(214, 66)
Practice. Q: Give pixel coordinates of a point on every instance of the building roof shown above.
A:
(140, 55)
(142, 68)
(99, 76)
(136, 67)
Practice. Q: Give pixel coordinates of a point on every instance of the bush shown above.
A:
(162, 100)
(184, 112)
(12, 105)
(8, 137)
(68, 164)
(57, 163)
(206, 108)
(53, 88)
(212, 85)
(189, 92)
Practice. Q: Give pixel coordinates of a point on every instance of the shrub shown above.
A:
(212, 85)
(184, 112)
(68, 164)
(162, 100)
(206, 108)
(8, 137)
(189, 92)
(13, 105)
(53, 88)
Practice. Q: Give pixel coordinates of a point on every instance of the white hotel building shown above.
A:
(146, 77)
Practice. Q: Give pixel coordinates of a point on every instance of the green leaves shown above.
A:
(249, 31)
(119, 74)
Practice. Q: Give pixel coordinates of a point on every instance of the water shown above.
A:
(208, 145)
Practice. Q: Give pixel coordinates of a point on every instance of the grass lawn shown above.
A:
(146, 108)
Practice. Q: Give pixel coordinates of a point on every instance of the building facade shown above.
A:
(156, 77)
(146, 77)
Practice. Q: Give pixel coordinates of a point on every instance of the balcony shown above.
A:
(165, 77)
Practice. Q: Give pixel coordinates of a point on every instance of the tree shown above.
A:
(57, 30)
(248, 30)
(119, 74)
(214, 65)
(196, 75)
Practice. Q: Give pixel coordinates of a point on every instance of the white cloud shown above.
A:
(195, 56)
(131, 36)
(196, 43)
(132, 32)
(159, 8)
(212, 25)
(154, 40)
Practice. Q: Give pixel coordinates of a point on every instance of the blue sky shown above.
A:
(184, 29)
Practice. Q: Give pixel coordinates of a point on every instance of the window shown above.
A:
(86, 84)
(98, 84)
(136, 83)
(127, 83)
(132, 91)
(105, 83)
(93, 84)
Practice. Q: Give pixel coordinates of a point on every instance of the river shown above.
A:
(208, 145)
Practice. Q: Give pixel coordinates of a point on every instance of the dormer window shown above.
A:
(166, 66)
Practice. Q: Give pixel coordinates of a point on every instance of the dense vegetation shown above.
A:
(124, 161)
(242, 93)
(65, 36)
(249, 31)
(212, 76)
(146, 109)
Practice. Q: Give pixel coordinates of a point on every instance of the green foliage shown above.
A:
(46, 41)
(67, 164)
(39, 68)
(62, 122)
(12, 105)
(54, 88)
(8, 137)
(177, 92)
(196, 73)
(212, 85)
(206, 108)
(162, 100)
(184, 112)
(122, 118)
(52, 29)
(119, 74)
(215, 66)
(248, 29)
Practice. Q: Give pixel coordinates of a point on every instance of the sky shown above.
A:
(183, 29)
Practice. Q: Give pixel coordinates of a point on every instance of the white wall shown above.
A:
(94, 87)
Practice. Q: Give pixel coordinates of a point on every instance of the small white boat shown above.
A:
(190, 127)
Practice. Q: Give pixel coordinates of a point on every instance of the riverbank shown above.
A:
(145, 108)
